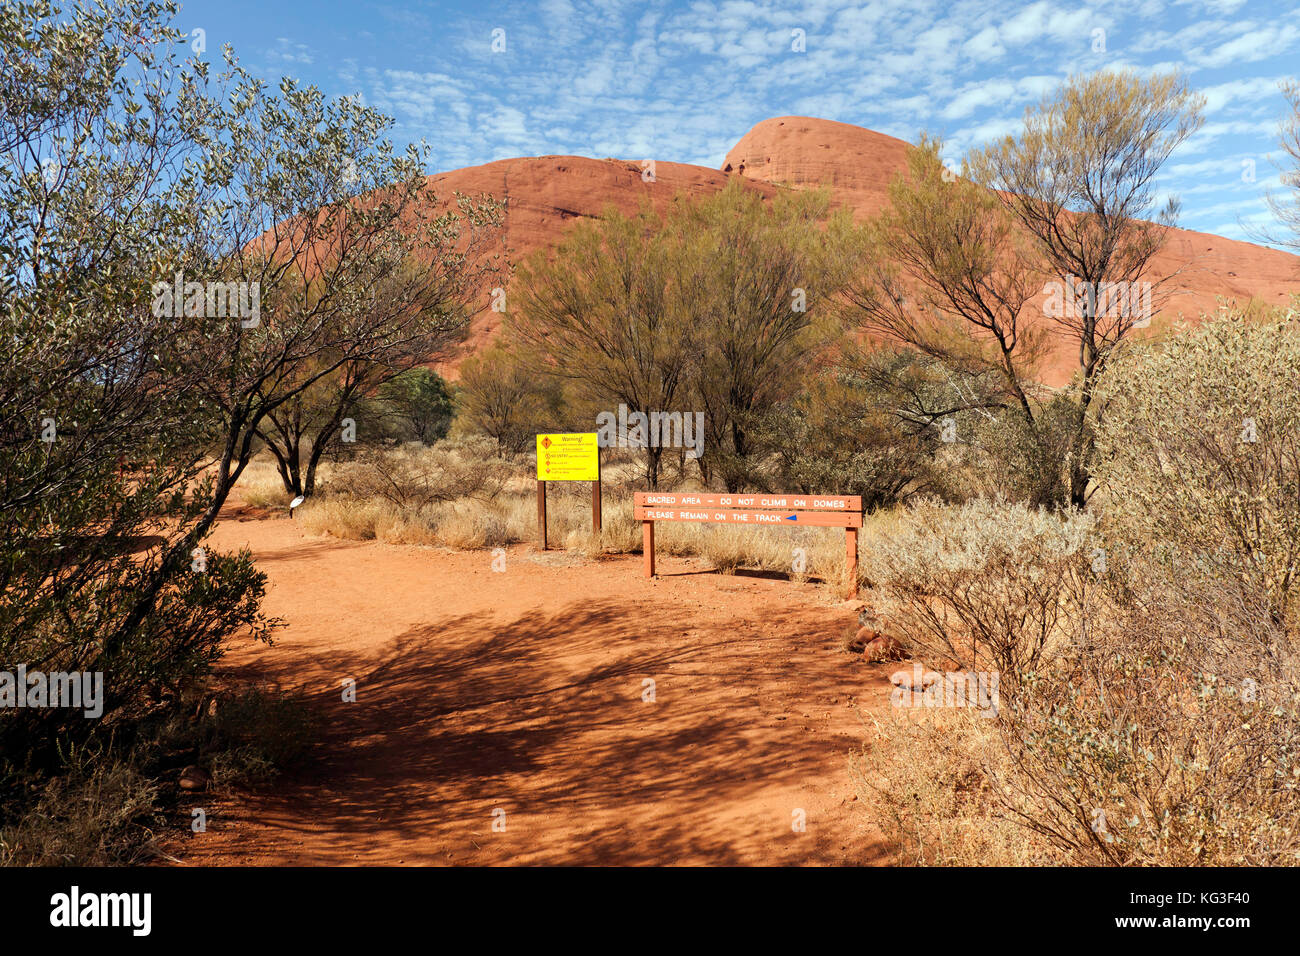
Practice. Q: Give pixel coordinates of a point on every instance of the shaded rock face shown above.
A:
(546, 195)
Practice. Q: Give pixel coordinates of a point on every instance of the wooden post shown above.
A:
(595, 498)
(851, 562)
(541, 515)
(648, 546)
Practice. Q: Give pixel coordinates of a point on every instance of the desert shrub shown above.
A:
(504, 397)
(985, 585)
(175, 645)
(104, 802)
(414, 477)
(1156, 735)
(417, 405)
(1011, 457)
(925, 779)
(100, 812)
(841, 435)
(1114, 757)
(1199, 453)
(1161, 725)
(1162, 736)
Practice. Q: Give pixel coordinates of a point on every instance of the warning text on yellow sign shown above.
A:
(568, 457)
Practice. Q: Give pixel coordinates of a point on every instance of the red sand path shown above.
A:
(522, 690)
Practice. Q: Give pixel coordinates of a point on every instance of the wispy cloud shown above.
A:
(489, 79)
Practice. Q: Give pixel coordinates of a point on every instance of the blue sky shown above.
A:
(684, 81)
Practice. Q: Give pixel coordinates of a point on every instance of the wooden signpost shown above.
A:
(824, 511)
(567, 456)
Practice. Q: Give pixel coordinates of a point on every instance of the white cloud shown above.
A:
(984, 46)
(1259, 44)
(1044, 20)
(1252, 89)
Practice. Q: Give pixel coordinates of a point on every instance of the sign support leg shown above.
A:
(541, 515)
(851, 562)
(595, 506)
(648, 546)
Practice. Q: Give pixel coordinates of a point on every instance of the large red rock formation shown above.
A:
(545, 195)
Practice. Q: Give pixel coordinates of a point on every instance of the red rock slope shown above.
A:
(546, 194)
(858, 165)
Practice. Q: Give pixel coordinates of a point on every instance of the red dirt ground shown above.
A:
(522, 690)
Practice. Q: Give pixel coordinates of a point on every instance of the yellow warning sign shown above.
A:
(571, 456)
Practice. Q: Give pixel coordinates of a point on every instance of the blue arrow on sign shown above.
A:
(792, 518)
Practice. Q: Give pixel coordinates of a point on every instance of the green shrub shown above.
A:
(1022, 463)
(840, 435)
(417, 405)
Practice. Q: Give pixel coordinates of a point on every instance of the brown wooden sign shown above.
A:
(820, 519)
(691, 499)
(769, 510)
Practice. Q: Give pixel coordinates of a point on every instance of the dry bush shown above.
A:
(104, 805)
(98, 813)
(415, 476)
(924, 779)
(985, 585)
(843, 433)
(1164, 736)
(1200, 451)
(1161, 736)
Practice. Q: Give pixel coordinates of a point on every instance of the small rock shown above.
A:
(194, 778)
(864, 637)
(882, 647)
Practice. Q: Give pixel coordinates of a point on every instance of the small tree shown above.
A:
(414, 309)
(421, 403)
(103, 418)
(715, 304)
(1080, 182)
(759, 280)
(313, 208)
(503, 396)
(610, 313)
(944, 272)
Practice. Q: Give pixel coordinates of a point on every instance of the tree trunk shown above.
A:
(1080, 446)
(318, 449)
(288, 462)
(652, 459)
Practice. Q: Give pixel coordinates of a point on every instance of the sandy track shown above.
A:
(522, 691)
